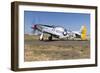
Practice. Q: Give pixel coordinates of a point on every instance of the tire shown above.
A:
(41, 39)
(50, 38)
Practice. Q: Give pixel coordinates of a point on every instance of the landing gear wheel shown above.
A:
(41, 39)
(50, 38)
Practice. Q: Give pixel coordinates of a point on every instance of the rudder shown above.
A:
(83, 32)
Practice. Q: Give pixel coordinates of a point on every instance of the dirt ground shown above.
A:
(36, 50)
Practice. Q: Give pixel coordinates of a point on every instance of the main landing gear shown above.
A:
(50, 38)
(41, 37)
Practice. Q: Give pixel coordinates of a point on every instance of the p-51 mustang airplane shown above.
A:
(59, 32)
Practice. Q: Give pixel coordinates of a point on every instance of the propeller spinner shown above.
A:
(34, 27)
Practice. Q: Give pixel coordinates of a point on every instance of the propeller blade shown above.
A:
(34, 29)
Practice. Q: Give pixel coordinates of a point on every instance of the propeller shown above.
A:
(34, 27)
(35, 31)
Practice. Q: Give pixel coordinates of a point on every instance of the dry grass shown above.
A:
(37, 52)
(42, 53)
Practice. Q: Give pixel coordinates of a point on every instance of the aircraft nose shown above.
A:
(34, 27)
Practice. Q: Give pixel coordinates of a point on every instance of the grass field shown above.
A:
(36, 50)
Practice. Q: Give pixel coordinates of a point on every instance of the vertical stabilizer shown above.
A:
(83, 32)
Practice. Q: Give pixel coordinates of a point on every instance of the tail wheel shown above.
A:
(50, 38)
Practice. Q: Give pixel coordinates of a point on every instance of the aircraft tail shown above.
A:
(83, 32)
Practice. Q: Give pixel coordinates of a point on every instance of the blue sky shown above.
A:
(72, 21)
